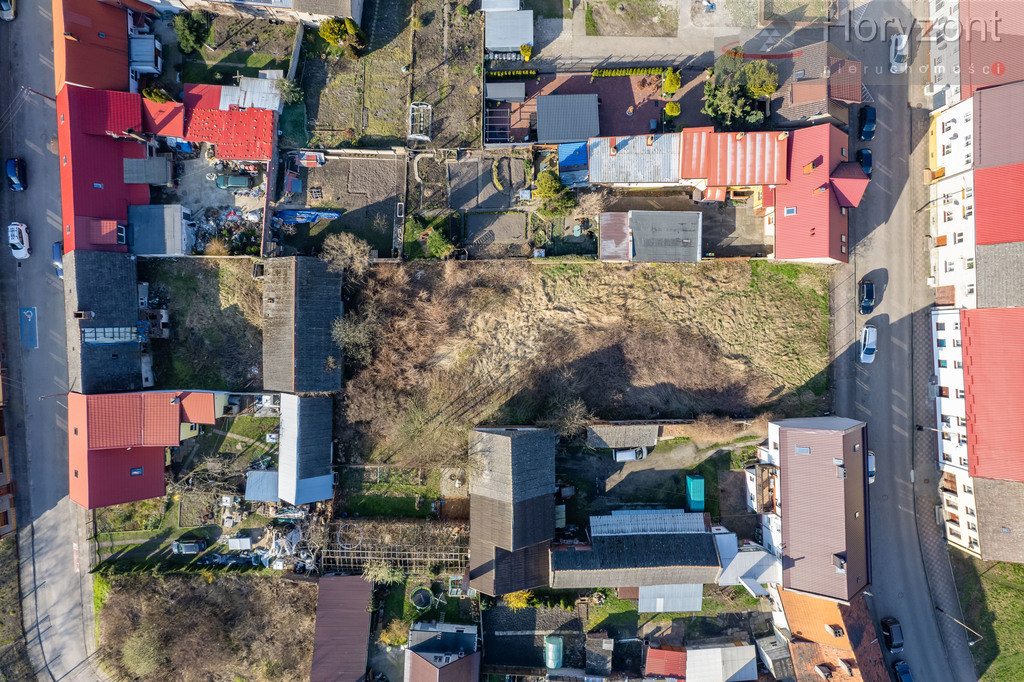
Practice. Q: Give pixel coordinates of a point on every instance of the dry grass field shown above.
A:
(208, 626)
(447, 346)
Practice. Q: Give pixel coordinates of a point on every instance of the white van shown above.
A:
(629, 455)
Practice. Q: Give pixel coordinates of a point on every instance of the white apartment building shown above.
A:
(943, 51)
(956, 487)
(763, 489)
(951, 205)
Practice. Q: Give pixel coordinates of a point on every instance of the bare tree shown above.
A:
(592, 203)
(345, 252)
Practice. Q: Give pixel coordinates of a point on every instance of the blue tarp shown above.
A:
(293, 217)
(572, 154)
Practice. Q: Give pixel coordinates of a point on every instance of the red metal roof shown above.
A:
(996, 210)
(104, 112)
(666, 663)
(994, 387)
(693, 152)
(715, 193)
(94, 187)
(198, 407)
(849, 183)
(201, 96)
(239, 134)
(817, 227)
(90, 45)
(991, 42)
(738, 159)
(163, 119)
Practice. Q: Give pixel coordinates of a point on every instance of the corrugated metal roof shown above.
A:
(258, 93)
(304, 466)
(637, 560)
(736, 159)
(671, 598)
(500, 5)
(721, 664)
(666, 663)
(984, 43)
(694, 153)
(512, 465)
(650, 523)
(567, 118)
(635, 162)
(994, 386)
(261, 486)
(572, 154)
(621, 435)
(90, 46)
(157, 230)
(996, 209)
(613, 246)
(163, 119)
(995, 142)
(505, 91)
(341, 639)
(666, 236)
(507, 31)
(153, 170)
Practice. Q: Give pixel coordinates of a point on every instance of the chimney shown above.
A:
(611, 146)
(650, 140)
(820, 190)
(783, 135)
(834, 630)
(809, 168)
(739, 136)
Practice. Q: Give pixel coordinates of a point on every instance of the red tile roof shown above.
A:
(105, 112)
(989, 51)
(693, 152)
(198, 407)
(239, 134)
(92, 171)
(994, 387)
(996, 209)
(90, 45)
(737, 159)
(163, 119)
(666, 663)
(816, 183)
(715, 193)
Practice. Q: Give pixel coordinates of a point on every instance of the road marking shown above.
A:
(865, 94)
(29, 331)
(74, 546)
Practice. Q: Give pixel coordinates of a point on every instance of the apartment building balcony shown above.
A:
(947, 483)
(766, 482)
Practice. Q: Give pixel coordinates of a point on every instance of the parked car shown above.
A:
(868, 343)
(188, 547)
(235, 181)
(7, 10)
(871, 467)
(867, 123)
(58, 259)
(864, 159)
(629, 455)
(892, 633)
(17, 237)
(899, 52)
(902, 671)
(15, 168)
(866, 294)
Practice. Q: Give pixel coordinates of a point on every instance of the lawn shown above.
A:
(216, 313)
(549, 9)
(224, 72)
(396, 496)
(133, 516)
(309, 237)
(796, 11)
(621, 613)
(992, 600)
(398, 607)
(239, 46)
(293, 126)
(14, 661)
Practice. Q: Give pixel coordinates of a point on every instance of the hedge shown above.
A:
(506, 75)
(638, 71)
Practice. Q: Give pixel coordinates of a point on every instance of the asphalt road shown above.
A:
(882, 393)
(56, 626)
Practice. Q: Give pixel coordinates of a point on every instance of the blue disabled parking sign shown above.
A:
(29, 330)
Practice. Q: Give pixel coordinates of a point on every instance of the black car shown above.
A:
(866, 295)
(16, 175)
(892, 633)
(864, 158)
(902, 671)
(867, 123)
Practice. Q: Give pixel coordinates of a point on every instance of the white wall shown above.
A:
(952, 228)
(944, 48)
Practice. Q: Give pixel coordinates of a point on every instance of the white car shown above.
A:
(630, 455)
(17, 237)
(868, 344)
(899, 53)
(871, 467)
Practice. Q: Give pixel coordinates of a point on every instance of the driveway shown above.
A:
(53, 539)
(887, 243)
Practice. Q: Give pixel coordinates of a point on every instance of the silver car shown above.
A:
(17, 238)
(899, 53)
(868, 344)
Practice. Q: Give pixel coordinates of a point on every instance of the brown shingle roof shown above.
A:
(341, 640)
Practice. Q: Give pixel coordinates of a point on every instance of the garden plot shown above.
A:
(643, 18)
(447, 71)
(239, 46)
(433, 188)
(486, 183)
(496, 235)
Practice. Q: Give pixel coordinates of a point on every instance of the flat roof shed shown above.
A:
(665, 236)
(342, 635)
(567, 118)
(508, 31)
(506, 92)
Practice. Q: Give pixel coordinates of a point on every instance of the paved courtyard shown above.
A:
(496, 235)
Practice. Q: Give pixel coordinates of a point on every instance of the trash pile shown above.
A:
(239, 232)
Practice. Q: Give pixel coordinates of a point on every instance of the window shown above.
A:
(941, 343)
(960, 421)
(961, 438)
(791, 210)
(801, 450)
(137, 471)
(76, 430)
(947, 198)
(97, 185)
(64, 160)
(940, 326)
(968, 159)
(842, 249)
(967, 140)
(970, 263)
(946, 419)
(963, 463)
(958, 364)
(971, 525)
(5, 518)
(946, 457)
(842, 238)
(968, 192)
(842, 152)
(947, 216)
(947, 149)
(956, 342)
(942, 364)
(946, 435)
(954, 533)
(799, 74)
(950, 266)
(943, 391)
(967, 117)
(969, 511)
(970, 289)
(946, 126)
(968, 489)
(950, 504)
(958, 237)
(76, 473)
(960, 393)
(968, 210)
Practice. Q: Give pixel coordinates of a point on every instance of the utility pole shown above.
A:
(36, 92)
(964, 625)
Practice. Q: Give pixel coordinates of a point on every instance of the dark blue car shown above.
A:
(16, 175)
(867, 123)
(58, 259)
(864, 157)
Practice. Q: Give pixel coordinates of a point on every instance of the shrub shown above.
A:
(463, 11)
(438, 245)
(548, 184)
(192, 30)
(355, 33)
(356, 333)
(559, 205)
(516, 601)
(761, 78)
(142, 654)
(591, 23)
(478, 70)
(526, 51)
(417, 23)
(333, 31)
(380, 571)
(672, 81)
(343, 251)
(351, 52)
(290, 91)
(395, 634)
(635, 71)
(216, 247)
(672, 109)
(520, 74)
(154, 94)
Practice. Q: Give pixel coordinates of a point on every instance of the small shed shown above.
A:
(341, 638)
(514, 91)
(243, 543)
(261, 486)
(567, 118)
(155, 170)
(695, 493)
(158, 230)
(508, 31)
(688, 598)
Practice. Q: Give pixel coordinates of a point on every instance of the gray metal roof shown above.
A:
(261, 486)
(635, 162)
(636, 561)
(442, 637)
(655, 523)
(999, 283)
(158, 230)
(301, 300)
(155, 170)
(666, 236)
(512, 465)
(622, 435)
(1000, 519)
(995, 142)
(506, 91)
(508, 31)
(304, 461)
(500, 5)
(331, 8)
(671, 598)
(142, 51)
(567, 118)
(721, 664)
